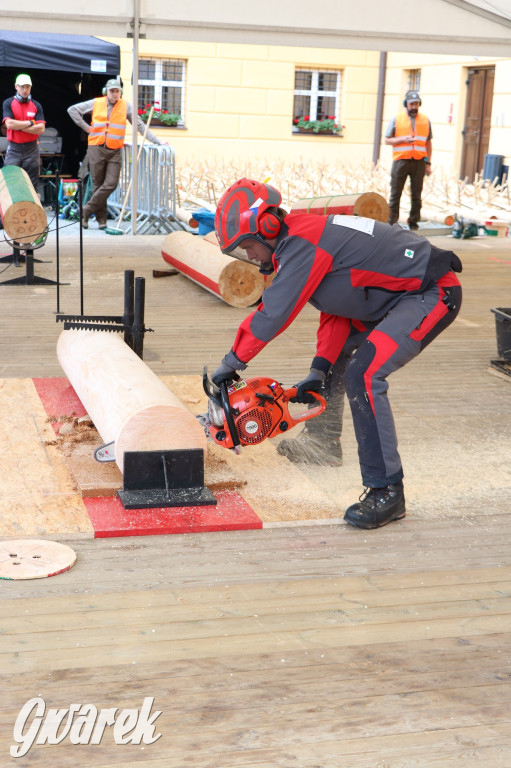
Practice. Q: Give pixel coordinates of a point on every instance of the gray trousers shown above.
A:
(105, 169)
(25, 156)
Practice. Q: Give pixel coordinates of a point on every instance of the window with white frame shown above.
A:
(162, 82)
(317, 94)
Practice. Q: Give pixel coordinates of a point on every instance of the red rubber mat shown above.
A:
(109, 518)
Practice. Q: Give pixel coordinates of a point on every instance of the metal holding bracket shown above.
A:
(30, 278)
(164, 479)
(131, 323)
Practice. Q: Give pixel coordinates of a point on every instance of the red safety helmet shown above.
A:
(242, 213)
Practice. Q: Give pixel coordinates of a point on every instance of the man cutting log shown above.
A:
(383, 293)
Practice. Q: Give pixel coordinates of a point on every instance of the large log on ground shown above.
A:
(235, 282)
(239, 253)
(126, 401)
(23, 217)
(371, 205)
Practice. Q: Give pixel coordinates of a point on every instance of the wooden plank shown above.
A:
(39, 499)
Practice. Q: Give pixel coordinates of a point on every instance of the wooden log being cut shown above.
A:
(235, 282)
(371, 205)
(23, 216)
(126, 401)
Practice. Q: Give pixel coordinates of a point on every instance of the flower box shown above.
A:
(317, 133)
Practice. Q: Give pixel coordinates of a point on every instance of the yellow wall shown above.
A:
(239, 101)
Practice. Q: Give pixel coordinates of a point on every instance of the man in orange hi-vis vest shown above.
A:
(105, 141)
(409, 134)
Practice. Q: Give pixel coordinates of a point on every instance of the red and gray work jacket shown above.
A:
(350, 269)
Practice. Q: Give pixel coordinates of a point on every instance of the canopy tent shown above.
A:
(65, 53)
(79, 67)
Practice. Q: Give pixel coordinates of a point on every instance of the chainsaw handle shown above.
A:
(310, 413)
(224, 396)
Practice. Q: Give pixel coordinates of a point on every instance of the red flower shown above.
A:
(296, 120)
(306, 117)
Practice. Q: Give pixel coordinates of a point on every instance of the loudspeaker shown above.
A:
(269, 225)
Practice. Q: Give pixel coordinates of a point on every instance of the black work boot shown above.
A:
(377, 507)
(311, 448)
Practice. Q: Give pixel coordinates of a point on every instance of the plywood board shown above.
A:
(39, 497)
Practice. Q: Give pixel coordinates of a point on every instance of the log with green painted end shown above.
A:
(371, 205)
(23, 216)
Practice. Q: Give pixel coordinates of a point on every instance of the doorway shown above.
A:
(476, 130)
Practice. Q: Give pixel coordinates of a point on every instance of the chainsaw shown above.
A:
(246, 412)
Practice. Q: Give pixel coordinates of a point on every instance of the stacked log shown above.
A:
(371, 205)
(22, 214)
(236, 282)
(126, 401)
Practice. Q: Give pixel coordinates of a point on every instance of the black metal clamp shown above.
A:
(131, 323)
(164, 479)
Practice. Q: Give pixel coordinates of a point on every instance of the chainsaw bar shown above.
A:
(105, 452)
(205, 423)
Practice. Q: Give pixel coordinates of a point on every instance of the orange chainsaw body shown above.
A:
(259, 408)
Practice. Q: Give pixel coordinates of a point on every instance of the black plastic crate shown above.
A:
(503, 329)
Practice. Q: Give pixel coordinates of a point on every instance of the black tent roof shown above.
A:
(66, 53)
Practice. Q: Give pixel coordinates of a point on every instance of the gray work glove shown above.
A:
(312, 383)
(224, 372)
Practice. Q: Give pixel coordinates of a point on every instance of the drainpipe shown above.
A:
(134, 129)
(379, 106)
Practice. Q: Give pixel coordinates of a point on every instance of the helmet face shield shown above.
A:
(240, 213)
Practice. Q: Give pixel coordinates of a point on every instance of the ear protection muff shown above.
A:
(268, 225)
(23, 100)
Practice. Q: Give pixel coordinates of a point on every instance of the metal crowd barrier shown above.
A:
(156, 189)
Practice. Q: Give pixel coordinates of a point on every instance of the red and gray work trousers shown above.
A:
(371, 353)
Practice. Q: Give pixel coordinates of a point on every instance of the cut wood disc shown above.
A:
(23, 217)
(34, 559)
(241, 284)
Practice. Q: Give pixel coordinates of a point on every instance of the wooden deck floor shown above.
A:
(315, 646)
(307, 646)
